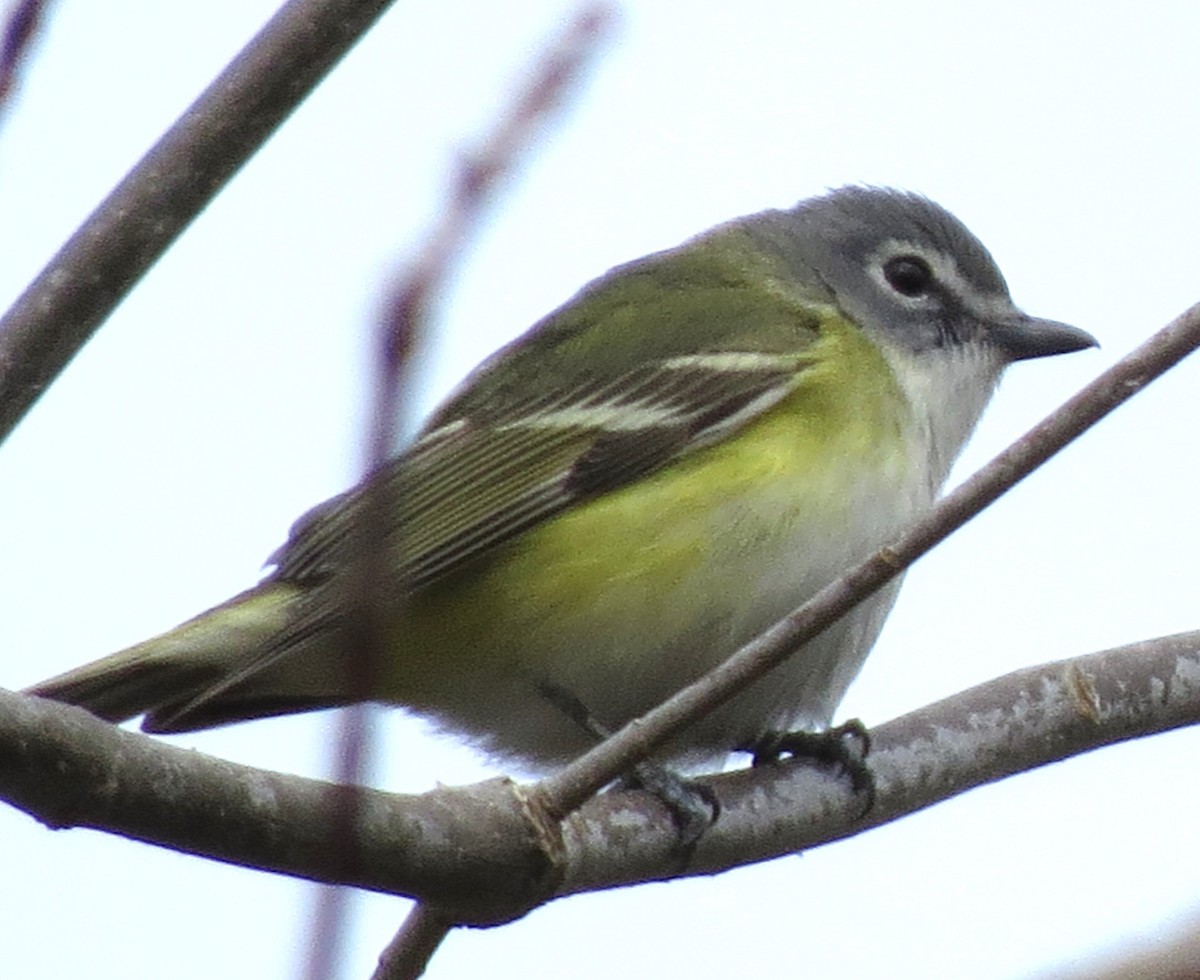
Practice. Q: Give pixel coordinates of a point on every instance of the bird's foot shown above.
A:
(693, 805)
(845, 746)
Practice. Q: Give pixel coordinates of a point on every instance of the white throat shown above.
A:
(948, 390)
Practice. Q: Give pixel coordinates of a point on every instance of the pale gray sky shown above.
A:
(225, 396)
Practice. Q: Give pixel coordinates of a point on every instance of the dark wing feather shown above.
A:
(468, 486)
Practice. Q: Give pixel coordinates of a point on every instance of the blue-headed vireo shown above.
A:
(618, 500)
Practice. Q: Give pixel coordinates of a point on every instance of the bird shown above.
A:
(611, 505)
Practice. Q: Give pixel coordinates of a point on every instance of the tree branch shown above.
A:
(17, 32)
(482, 855)
(61, 309)
(409, 952)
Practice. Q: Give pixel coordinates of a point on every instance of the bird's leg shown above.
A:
(846, 746)
(693, 805)
(575, 710)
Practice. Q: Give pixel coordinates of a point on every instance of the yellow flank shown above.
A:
(663, 563)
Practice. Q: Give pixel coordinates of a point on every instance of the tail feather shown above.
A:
(198, 712)
(162, 676)
(117, 692)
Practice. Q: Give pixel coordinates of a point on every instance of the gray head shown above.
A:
(902, 265)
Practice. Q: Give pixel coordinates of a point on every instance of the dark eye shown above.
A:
(909, 275)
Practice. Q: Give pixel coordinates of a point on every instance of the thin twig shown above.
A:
(563, 791)
(410, 951)
(61, 309)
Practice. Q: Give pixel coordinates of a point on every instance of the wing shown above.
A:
(471, 484)
(468, 486)
(720, 329)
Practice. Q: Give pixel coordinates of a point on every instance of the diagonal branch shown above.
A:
(18, 29)
(61, 309)
(566, 789)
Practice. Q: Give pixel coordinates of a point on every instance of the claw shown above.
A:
(846, 746)
(693, 805)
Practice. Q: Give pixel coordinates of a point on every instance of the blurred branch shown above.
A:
(61, 309)
(554, 76)
(1172, 953)
(566, 789)
(482, 855)
(16, 38)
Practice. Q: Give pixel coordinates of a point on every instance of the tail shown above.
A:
(167, 678)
